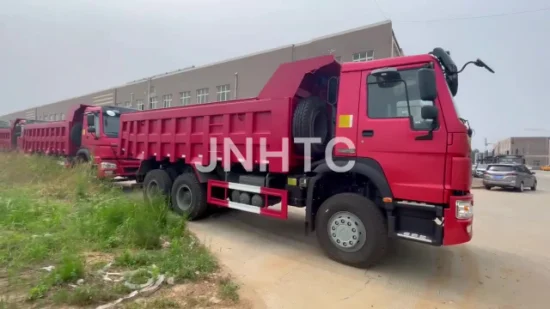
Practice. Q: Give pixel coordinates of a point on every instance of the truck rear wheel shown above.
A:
(189, 197)
(157, 182)
(351, 230)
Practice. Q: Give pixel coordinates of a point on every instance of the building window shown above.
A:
(167, 100)
(223, 92)
(153, 102)
(152, 89)
(62, 116)
(185, 97)
(127, 104)
(202, 95)
(140, 105)
(363, 56)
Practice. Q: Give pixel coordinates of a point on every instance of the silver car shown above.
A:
(480, 170)
(512, 176)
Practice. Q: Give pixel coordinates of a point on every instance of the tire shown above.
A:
(374, 227)
(311, 119)
(521, 188)
(76, 134)
(157, 180)
(189, 197)
(488, 187)
(82, 156)
(534, 187)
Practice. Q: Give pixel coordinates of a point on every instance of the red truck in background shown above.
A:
(10, 134)
(89, 134)
(409, 149)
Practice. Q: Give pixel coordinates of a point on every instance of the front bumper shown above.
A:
(457, 231)
(117, 168)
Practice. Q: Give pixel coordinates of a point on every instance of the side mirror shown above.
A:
(429, 112)
(426, 84)
(90, 118)
(533, 173)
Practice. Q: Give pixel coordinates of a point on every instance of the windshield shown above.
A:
(510, 160)
(111, 124)
(501, 168)
(111, 120)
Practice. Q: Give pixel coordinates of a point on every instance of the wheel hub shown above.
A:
(346, 231)
(184, 198)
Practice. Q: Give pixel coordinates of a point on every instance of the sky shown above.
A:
(57, 49)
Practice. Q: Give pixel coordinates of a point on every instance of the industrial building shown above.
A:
(535, 150)
(230, 79)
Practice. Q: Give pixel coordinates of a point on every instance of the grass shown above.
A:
(54, 216)
(229, 290)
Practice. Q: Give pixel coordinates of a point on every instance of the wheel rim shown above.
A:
(346, 231)
(184, 198)
(152, 189)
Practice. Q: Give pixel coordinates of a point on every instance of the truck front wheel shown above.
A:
(156, 182)
(189, 196)
(351, 230)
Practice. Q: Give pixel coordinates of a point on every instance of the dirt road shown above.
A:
(507, 265)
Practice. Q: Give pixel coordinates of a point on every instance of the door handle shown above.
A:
(368, 133)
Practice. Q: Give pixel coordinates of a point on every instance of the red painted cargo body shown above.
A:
(185, 132)
(411, 172)
(10, 137)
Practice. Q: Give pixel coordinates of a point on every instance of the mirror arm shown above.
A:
(464, 66)
(430, 135)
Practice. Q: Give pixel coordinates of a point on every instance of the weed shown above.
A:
(53, 215)
(229, 290)
(70, 270)
(89, 294)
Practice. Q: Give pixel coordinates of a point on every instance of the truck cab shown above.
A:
(97, 134)
(400, 115)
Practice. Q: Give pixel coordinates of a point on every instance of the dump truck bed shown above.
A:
(184, 133)
(50, 138)
(5, 139)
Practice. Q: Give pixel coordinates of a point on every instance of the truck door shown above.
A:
(91, 130)
(389, 128)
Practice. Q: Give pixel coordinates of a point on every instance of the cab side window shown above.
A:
(399, 99)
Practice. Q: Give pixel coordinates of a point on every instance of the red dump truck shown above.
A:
(90, 134)
(9, 134)
(398, 129)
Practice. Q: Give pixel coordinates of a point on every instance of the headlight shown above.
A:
(108, 166)
(464, 209)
